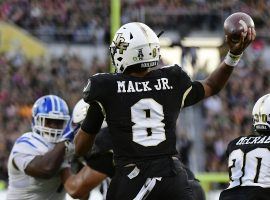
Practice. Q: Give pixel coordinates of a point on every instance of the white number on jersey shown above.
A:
(249, 169)
(148, 128)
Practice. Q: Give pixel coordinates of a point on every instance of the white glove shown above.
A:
(65, 164)
(69, 153)
(70, 149)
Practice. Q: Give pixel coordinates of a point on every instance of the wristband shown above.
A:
(231, 59)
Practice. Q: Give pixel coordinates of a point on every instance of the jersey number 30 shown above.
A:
(249, 168)
(148, 128)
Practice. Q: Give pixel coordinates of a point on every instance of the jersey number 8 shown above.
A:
(148, 128)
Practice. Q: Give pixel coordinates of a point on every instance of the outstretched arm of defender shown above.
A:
(46, 166)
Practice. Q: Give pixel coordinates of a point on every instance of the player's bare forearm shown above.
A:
(47, 165)
(79, 185)
(83, 142)
(217, 79)
(65, 175)
(71, 182)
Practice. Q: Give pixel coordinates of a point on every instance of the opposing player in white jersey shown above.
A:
(249, 159)
(37, 157)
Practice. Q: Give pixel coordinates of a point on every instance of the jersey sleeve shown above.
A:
(94, 88)
(229, 149)
(195, 95)
(102, 162)
(193, 91)
(24, 151)
(93, 120)
(22, 160)
(103, 142)
(88, 94)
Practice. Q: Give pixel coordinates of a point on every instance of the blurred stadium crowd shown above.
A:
(227, 115)
(84, 21)
(22, 82)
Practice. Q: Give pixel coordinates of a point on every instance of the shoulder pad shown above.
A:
(170, 66)
(233, 142)
(174, 67)
(102, 74)
(95, 87)
(88, 86)
(175, 70)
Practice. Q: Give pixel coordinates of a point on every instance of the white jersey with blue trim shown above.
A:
(25, 187)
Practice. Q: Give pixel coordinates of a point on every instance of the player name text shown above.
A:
(254, 140)
(133, 86)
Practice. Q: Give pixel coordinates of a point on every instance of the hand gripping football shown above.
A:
(237, 23)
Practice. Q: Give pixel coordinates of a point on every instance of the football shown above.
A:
(237, 23)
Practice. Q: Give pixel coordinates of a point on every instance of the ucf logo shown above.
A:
(120, 43)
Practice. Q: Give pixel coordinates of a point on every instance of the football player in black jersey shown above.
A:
(100, 164)
(249, 159)
(141, 108)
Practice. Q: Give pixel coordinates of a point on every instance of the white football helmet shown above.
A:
(261, 114)
(79, 111)
(135, 44)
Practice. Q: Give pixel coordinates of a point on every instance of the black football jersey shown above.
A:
(103, 142)
(141, 112)
(101, 156)
(249, 161)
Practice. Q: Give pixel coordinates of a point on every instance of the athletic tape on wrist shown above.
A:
(231, 59)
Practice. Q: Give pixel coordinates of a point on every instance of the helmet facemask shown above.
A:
(42, 127)
(50, 115)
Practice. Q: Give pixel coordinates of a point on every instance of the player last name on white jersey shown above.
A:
(135, 86)
(253, 140)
